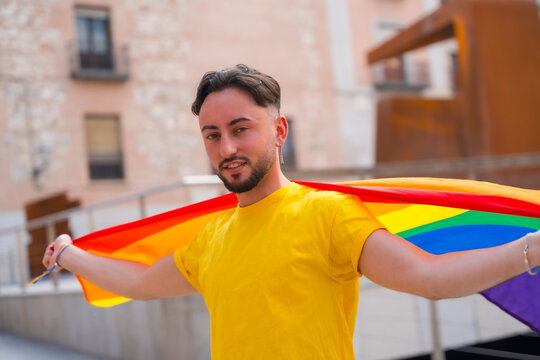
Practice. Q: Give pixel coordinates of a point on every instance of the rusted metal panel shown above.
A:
(496, 109)
(418, 128)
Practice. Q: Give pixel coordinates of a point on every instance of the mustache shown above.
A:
(242, 158)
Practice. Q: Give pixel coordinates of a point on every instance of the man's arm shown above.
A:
(397, 264)
(124, 278)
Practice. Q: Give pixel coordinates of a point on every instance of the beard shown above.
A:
(259, 171)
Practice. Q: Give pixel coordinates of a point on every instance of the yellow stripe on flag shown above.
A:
(416, 215)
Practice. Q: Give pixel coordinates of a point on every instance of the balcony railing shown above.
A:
(398, 75)
(108, 65)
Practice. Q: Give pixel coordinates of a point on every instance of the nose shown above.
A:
(228, 147)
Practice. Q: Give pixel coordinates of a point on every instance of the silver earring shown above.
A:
(281, 156)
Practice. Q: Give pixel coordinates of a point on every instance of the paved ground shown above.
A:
(18, 348)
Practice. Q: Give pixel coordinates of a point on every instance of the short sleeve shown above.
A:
(351, 226)
(187, 261)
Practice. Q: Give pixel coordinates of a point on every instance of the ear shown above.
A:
(281, 130)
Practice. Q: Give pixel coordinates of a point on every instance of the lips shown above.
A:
(232, 165)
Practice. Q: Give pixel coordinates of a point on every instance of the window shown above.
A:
(454, 69)
(94, 39)
(93, 55)
(288, 150)
(104, 147)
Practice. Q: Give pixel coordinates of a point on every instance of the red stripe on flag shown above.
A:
(111, 239)
(470, 201)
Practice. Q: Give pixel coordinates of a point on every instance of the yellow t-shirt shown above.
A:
(280, 277)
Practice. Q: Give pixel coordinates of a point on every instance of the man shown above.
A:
(279, 273)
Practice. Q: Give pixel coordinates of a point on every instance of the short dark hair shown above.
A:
(263, 88)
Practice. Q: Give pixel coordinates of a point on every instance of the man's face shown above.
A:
(239, 139)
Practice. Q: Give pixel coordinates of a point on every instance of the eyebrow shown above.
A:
(232, 123)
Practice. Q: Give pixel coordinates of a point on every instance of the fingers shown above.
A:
(49, 258)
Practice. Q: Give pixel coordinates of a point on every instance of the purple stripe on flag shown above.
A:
(519, 297)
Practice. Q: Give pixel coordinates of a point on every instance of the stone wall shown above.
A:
(32, 94)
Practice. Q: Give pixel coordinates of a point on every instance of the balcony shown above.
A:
(402, 76)
(111, 65)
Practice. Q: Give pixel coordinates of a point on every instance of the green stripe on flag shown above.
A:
(475, 218)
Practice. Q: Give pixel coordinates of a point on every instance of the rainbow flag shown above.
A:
(437, 215)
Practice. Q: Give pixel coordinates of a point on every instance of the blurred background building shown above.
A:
(95, 101)
(96, 97)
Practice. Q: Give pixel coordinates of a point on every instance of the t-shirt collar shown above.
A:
(268, 200)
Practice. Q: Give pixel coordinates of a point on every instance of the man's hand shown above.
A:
(125, 278)
(51, 253)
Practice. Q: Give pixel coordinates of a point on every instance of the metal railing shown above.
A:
(471, 167)
(19, 269)
(112, 64)
(398, 74)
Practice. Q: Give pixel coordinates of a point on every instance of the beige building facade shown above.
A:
(95, 96)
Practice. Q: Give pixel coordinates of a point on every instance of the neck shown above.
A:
(273, 181)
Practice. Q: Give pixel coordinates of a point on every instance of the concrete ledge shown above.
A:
(20, 348)
(388, 324)
(67, 284)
